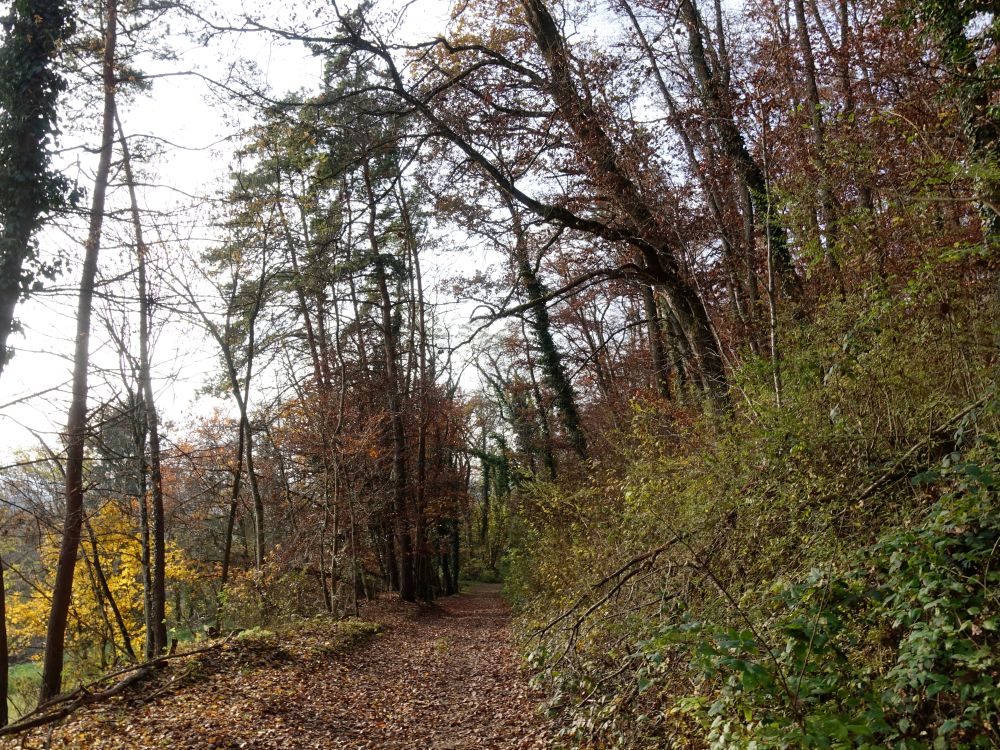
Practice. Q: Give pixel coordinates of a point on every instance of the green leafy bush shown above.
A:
(901, 649)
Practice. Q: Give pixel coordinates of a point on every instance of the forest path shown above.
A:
(439, 677)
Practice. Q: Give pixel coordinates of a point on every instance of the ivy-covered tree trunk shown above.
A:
(650, 236)
(76, 423)
(551, 360)
(952, 23)
(29, 88)
(711, 88)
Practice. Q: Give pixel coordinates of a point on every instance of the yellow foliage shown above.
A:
(119, 552)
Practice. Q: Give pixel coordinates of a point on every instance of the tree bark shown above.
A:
(76, 423)
(158, 591)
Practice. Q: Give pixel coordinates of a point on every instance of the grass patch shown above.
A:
(25, 680)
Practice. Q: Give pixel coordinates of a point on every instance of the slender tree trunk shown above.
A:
(102, 581)
(828, 212)
(234, 499)
(241, 394)
(158, 592)
(454, 550)
(108, 634)
(4, 654)
(76, 423)
(258, 499)
(716, 199)
(422, 561)
(657, 350)
(733, 144)
(352, 536)
(391, 564)
(484, 523)
(139, 440)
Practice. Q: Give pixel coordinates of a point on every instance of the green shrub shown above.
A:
(901, 649)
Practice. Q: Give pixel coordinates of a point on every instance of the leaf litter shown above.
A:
(409, 677)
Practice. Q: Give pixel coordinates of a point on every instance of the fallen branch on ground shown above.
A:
(69, 702)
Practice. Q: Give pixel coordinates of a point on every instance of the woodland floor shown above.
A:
(438, 677)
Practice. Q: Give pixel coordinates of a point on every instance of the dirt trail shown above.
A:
(459, 686)
(441, 677)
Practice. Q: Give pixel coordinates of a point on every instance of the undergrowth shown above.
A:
(818, 572)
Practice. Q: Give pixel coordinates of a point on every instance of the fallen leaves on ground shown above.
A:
(430, 677)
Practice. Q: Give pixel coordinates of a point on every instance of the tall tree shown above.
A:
(967, 33)
(76, 423)
(157, 615)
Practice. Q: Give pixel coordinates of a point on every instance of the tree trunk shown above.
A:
(827, 208)
(733, 145)
(657, 350)
(139, 440)
(34, 32)
(423, 566)
(234, 498)
(551, 362)
(484, 522)
(241, 394)
(453, 554)
(258, 499)
(654, 241)
(102, 581)
(4, 655)
(158, 613)
(76, 423)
